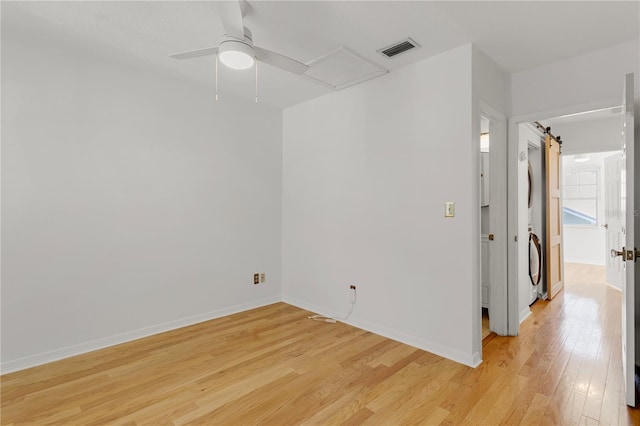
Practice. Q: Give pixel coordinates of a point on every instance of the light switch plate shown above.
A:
(449, 209)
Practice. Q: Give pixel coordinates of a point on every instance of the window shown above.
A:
(580, 197)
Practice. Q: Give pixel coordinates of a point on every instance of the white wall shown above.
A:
(590, 136)
(584, 245)
(491, 84)
(586, 79)
(131, 202)
(366, 174)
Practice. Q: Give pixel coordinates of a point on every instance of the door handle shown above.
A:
(492, 237)
(605, 226)
(615, 253)
(633, 255)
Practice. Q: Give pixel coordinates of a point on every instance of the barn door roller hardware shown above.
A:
(547, 131)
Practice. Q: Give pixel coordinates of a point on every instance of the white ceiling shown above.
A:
(517, 35)
(595, 160)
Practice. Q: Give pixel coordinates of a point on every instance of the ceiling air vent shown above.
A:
(398, 48)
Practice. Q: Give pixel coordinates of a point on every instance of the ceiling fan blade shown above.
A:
(231, 17)
(280, 61)
(195, 53)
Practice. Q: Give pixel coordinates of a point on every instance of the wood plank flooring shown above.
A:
(274, 366)
(585, 274)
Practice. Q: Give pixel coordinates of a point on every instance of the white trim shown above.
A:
(116, 339)
(471, 360)
(513, 317)
(567, 110)
(584, 262)
(611, 285)
(524, 314)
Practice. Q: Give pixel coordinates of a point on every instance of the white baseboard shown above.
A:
(613, 286)
(524, 314)
(471, 360)
(477, 359)
(116, 339)
(585, 262)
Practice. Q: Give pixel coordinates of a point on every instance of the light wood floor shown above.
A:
(274, 366)
(586, 274)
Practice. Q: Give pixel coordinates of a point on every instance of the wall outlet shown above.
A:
(256, 279)
(352, 293)
(263, 277)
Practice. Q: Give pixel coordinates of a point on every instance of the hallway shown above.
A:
(566, 363)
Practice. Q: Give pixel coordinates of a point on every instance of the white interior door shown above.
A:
(494, 267)
(498, 222)
(627, 253)
(613, 217)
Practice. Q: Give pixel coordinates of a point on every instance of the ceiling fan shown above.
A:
(236, 49)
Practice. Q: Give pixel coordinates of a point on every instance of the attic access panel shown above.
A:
(342, 68)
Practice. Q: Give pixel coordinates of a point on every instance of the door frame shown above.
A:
(514, 185)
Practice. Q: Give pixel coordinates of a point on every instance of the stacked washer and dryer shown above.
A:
(537, 219)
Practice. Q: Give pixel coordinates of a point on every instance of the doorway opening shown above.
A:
(485, 212)
(625, 137)
(492, 186)
(588, 143)
(592, 225)
(492, 191)
(591, 181)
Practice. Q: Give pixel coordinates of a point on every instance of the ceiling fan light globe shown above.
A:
(236, 55)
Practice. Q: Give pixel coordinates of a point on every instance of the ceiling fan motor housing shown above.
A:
(237, 54)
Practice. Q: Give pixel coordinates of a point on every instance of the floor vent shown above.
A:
(398, 48)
